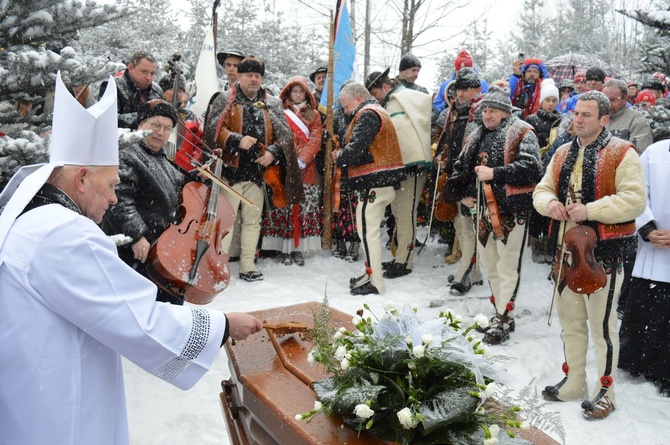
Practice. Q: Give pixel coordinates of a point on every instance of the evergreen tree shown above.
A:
(33, 47)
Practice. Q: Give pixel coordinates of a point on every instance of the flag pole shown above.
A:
(215, 20)
(327, 231)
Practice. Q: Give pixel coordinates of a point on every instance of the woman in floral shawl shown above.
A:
(296, 228)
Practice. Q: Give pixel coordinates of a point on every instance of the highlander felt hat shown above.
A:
(221, 57)
(321, 69)
(375, 79)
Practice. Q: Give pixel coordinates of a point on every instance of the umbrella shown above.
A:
(567, 65)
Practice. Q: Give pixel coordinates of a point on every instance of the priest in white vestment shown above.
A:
(70, 307)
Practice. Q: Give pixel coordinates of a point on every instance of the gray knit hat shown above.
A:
(409, 61)
(467, 78)
(497, 98)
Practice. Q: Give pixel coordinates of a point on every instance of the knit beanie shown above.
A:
(467, 78)
(251, 65)
(548, 89)
(566, 83)
(646, 96)
(156, 107)
(167, 82)
(497, 98)
(409, 61)
(463, 59)
(595, 73)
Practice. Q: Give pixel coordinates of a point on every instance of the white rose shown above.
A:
(359, 334)
(356, 320)
(337, 335)
(426, 339)
(408, 340)
(344, 364)
(363, 411)
(340, 353)
(491, 441)
(525, 425)
(419, 351)
(390, 306)
(491, 389)
(495, 430)
(318, 406)
(310, 358)
(342, 330)
(482, 321)
(406, 419)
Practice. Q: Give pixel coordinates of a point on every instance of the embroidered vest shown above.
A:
(385, 148)
(608, 159)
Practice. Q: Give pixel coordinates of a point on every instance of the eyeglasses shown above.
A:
(155, 126)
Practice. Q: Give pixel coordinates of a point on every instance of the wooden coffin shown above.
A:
(266, 389)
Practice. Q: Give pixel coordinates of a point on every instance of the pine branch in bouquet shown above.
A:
(409, 380)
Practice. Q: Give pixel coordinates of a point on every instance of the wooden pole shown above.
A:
(327, 231)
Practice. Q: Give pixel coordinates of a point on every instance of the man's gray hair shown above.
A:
(602, 100)
(354, 90)
(619, 84)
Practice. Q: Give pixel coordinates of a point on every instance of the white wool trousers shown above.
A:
(468, 270)
(369, 214)
(403, 208)
(250, 223)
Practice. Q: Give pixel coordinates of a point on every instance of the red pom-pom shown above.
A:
(368, 269)
(510, 306)
(493, 299)
(606, 381)
(566, 368)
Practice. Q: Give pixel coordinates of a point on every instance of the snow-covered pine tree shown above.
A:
(33, 46)
(656, 57)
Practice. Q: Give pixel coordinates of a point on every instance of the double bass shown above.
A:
(187, 259)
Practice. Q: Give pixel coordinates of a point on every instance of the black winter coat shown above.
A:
(148, 196)
(129, 98)
(543, 122)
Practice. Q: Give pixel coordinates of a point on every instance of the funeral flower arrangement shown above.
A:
(407, 380)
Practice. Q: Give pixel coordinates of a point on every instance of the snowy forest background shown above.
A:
(87, 41)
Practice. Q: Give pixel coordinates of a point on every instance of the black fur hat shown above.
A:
(156, 107)
(466, 79)
(251, 65)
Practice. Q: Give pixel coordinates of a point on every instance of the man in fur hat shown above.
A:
(459, 121)
(502, 153)
(135, 87)
(248, 124)
(410, 113)
(71, 308)
(371, 153)
(608, 193)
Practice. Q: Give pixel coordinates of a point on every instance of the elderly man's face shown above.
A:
(142, 73)
(463, 96)
(161, 127)
(250, 83)
(349, 104)
(493, 117)
(594, 85)
(96, 189)
(617, 101)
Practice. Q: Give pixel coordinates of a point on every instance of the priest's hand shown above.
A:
(240, 326)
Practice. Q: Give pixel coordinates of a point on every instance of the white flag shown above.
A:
(206, 80)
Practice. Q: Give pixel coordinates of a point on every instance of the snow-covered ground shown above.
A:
(162, 414)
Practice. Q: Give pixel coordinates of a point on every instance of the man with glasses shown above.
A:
(625, 122)
(149, 191)
(135, 87)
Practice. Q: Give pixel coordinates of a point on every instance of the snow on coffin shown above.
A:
(269, 386)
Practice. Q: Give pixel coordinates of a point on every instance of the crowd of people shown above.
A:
(526, 162)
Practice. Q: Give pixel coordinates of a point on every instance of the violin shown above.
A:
(187, 259)
(274, 178)
(585, 275)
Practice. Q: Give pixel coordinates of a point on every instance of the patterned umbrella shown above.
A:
(567, 65)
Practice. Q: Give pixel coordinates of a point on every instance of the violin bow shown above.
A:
(223, 185)
(561, 258)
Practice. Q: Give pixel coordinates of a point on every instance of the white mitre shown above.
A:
(79, 136)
